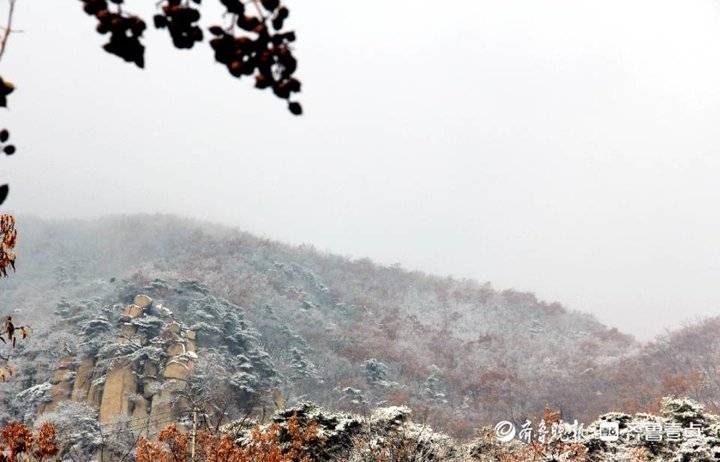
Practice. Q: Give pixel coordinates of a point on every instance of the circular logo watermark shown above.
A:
(504, 431)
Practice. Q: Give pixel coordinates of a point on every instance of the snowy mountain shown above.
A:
(251, 322)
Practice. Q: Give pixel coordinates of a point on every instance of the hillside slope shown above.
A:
(348, 334)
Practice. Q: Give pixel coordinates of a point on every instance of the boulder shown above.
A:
(143, 301)
(133, 311)
(177, 370)
(176, 349)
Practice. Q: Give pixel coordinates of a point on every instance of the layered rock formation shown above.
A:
(138, 356)
(142, 388)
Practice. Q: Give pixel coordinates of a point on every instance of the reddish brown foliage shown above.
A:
(7, 247)
(45, 441)
(18, 440)
(266, 444)
(686, 384)
(551, 416)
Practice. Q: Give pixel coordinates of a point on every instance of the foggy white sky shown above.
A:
(570, 148)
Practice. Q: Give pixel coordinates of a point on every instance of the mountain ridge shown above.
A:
(346, 333)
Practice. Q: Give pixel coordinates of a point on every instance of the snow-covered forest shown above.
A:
(140, 321)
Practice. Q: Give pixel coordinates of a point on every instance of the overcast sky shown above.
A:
(570, 148)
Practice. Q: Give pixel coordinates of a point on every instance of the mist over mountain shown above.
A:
(257, 322)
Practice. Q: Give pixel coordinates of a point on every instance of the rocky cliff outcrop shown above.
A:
(142, 385)
(141, 357)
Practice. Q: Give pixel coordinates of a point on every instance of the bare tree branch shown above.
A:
(8, 28)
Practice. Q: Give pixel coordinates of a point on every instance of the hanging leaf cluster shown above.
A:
(6, 87)
(8, 235)
(252, 41)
